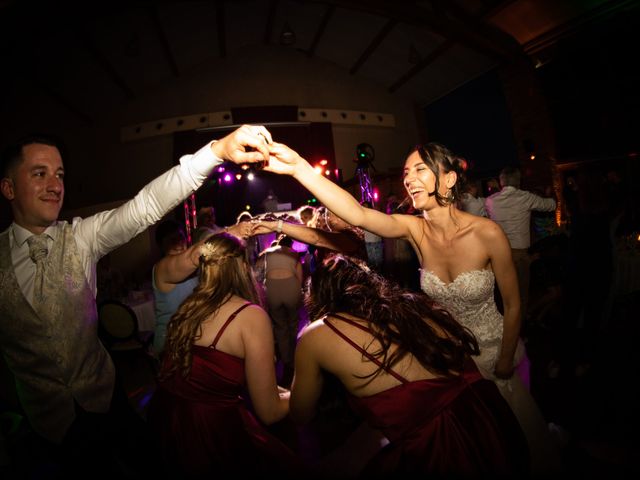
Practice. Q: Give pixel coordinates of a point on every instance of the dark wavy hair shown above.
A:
(224, 271)
(410, 320)
(440, 159)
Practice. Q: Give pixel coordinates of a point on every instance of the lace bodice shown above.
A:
(469, 297)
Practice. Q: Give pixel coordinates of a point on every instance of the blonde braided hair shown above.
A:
(224, 272)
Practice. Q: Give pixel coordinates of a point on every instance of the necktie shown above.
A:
(38, 252)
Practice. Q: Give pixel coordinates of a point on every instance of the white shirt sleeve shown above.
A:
(101, 233)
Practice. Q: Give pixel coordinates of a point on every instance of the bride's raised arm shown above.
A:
(284, 160)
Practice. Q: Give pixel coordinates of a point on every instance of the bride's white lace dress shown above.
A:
(469, 298)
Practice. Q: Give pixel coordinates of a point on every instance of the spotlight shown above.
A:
(250, 176)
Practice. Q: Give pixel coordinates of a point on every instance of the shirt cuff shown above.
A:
(200, 164)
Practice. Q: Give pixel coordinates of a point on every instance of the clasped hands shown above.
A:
(252, 144)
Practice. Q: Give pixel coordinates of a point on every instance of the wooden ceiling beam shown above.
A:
(476, 22)
(412, 14)
(321, 29)
(162, 37)
(375, 43)
(271, 15)
(89, 43)
(429, 59)
(440, 50)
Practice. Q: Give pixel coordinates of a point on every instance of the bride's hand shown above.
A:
(284, 160)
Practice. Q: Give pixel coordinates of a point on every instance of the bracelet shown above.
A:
(279, 227)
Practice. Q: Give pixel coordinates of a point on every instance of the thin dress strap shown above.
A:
(229, 320)
(326, 321)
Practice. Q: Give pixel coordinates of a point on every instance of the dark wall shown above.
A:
(593, 88)
(473, 121)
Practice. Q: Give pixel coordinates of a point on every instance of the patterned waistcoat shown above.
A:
(58, 358)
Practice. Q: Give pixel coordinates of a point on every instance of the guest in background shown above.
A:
(406, 365)
(206, 224)
(283, 289)
(219, 341)
(252, 243)
(306, 214)
(400, 261)
(511, 208)
(471, 201)
(374, 245)
(270, 202)
(63, 375)
(171, 284)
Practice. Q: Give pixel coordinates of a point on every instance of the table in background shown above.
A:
(142, 303)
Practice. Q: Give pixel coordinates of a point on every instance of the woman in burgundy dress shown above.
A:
(406, 367)
(219, 346)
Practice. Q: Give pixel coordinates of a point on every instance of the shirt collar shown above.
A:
(21, 234)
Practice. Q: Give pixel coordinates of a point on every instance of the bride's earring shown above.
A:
(449, 196)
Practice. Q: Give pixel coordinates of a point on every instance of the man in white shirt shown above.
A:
(65, 379)
(511, 209)
(471, 202)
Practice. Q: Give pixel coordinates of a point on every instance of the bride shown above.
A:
(461, 256)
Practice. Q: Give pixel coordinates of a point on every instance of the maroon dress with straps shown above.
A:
(445, 427)
(202, 422)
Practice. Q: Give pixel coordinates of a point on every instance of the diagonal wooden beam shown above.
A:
(88, 42)
(321, 29)
(413, 71)
(271, 15)
(412, 14)
(445, 46)
(475, 22)
(166, 47)
(375, 43)
(66, 104)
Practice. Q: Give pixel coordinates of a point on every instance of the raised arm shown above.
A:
(172, 269)
(507, 280)
(105, 231)
(286, 161)
(270, 402)
(336, 241)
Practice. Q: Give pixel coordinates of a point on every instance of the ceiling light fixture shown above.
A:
(287, 36)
